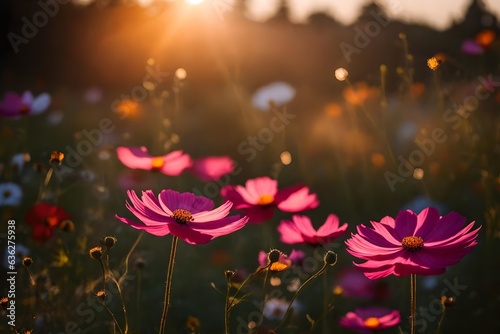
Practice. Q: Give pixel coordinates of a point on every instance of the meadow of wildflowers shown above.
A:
(220, 175)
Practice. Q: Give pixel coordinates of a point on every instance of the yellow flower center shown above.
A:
(265, 199)
(157, 162)
(412, 243)
(372, 322)
(182, 216)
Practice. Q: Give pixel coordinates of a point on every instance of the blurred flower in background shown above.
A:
(260, 197)
(11, 194)
(272, 95)
(368, 319)
(212, 168)
(300, 230)
(173, 163)
(43, 218)
(14, 105)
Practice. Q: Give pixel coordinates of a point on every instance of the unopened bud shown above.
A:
(330, 258)
(96, 253)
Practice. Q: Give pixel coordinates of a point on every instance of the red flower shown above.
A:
(43, 218)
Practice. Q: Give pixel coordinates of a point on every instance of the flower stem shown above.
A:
(413, 300)
(168, 284)
(319, 272)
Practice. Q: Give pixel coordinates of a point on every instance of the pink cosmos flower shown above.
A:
(295, 257)
(189, 217)
(171, 164)
(261, 196)
(423, 244)
(368, 319)
(300, 230)
(212, 168)
(14, 105)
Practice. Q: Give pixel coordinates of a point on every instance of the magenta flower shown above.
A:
(189, 217)
(212, 168)
(471, 48)
(423, 244)
(299, 230)
(368, 319)
(171, 164)
(14, 105)
(260, 197)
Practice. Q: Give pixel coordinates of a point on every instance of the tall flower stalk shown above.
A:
(168, 284)
(184, 215)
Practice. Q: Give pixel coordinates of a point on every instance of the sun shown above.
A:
(194, 2)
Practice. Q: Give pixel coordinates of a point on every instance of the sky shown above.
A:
(439, 14)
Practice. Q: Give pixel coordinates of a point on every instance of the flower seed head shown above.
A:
(330, 258)
(27, 261)
(96, 253)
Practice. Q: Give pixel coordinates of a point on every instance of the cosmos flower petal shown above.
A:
(230, 193)
(189, 235)
(218, 213)
(289, 233)
(212, 168)
(426, 220)
(446, 227)
(299, 201)
(331, 224)
(158, 230)
(258, 214)
(220, 227)
(134, 157)
(406, 222)
(40, 104)
(27, 98)
(175, 163)
(261, 186)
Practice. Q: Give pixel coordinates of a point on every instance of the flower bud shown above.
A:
(447, 301)
(273, 255)
(330, 258)
(228, 274)
(27, 261)
(96, 253)
(4, 302)
(109, 242)
(101, 295)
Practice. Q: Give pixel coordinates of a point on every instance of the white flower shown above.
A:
(38, 104)
(277, 94)
(275, 309)
(10, 194)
